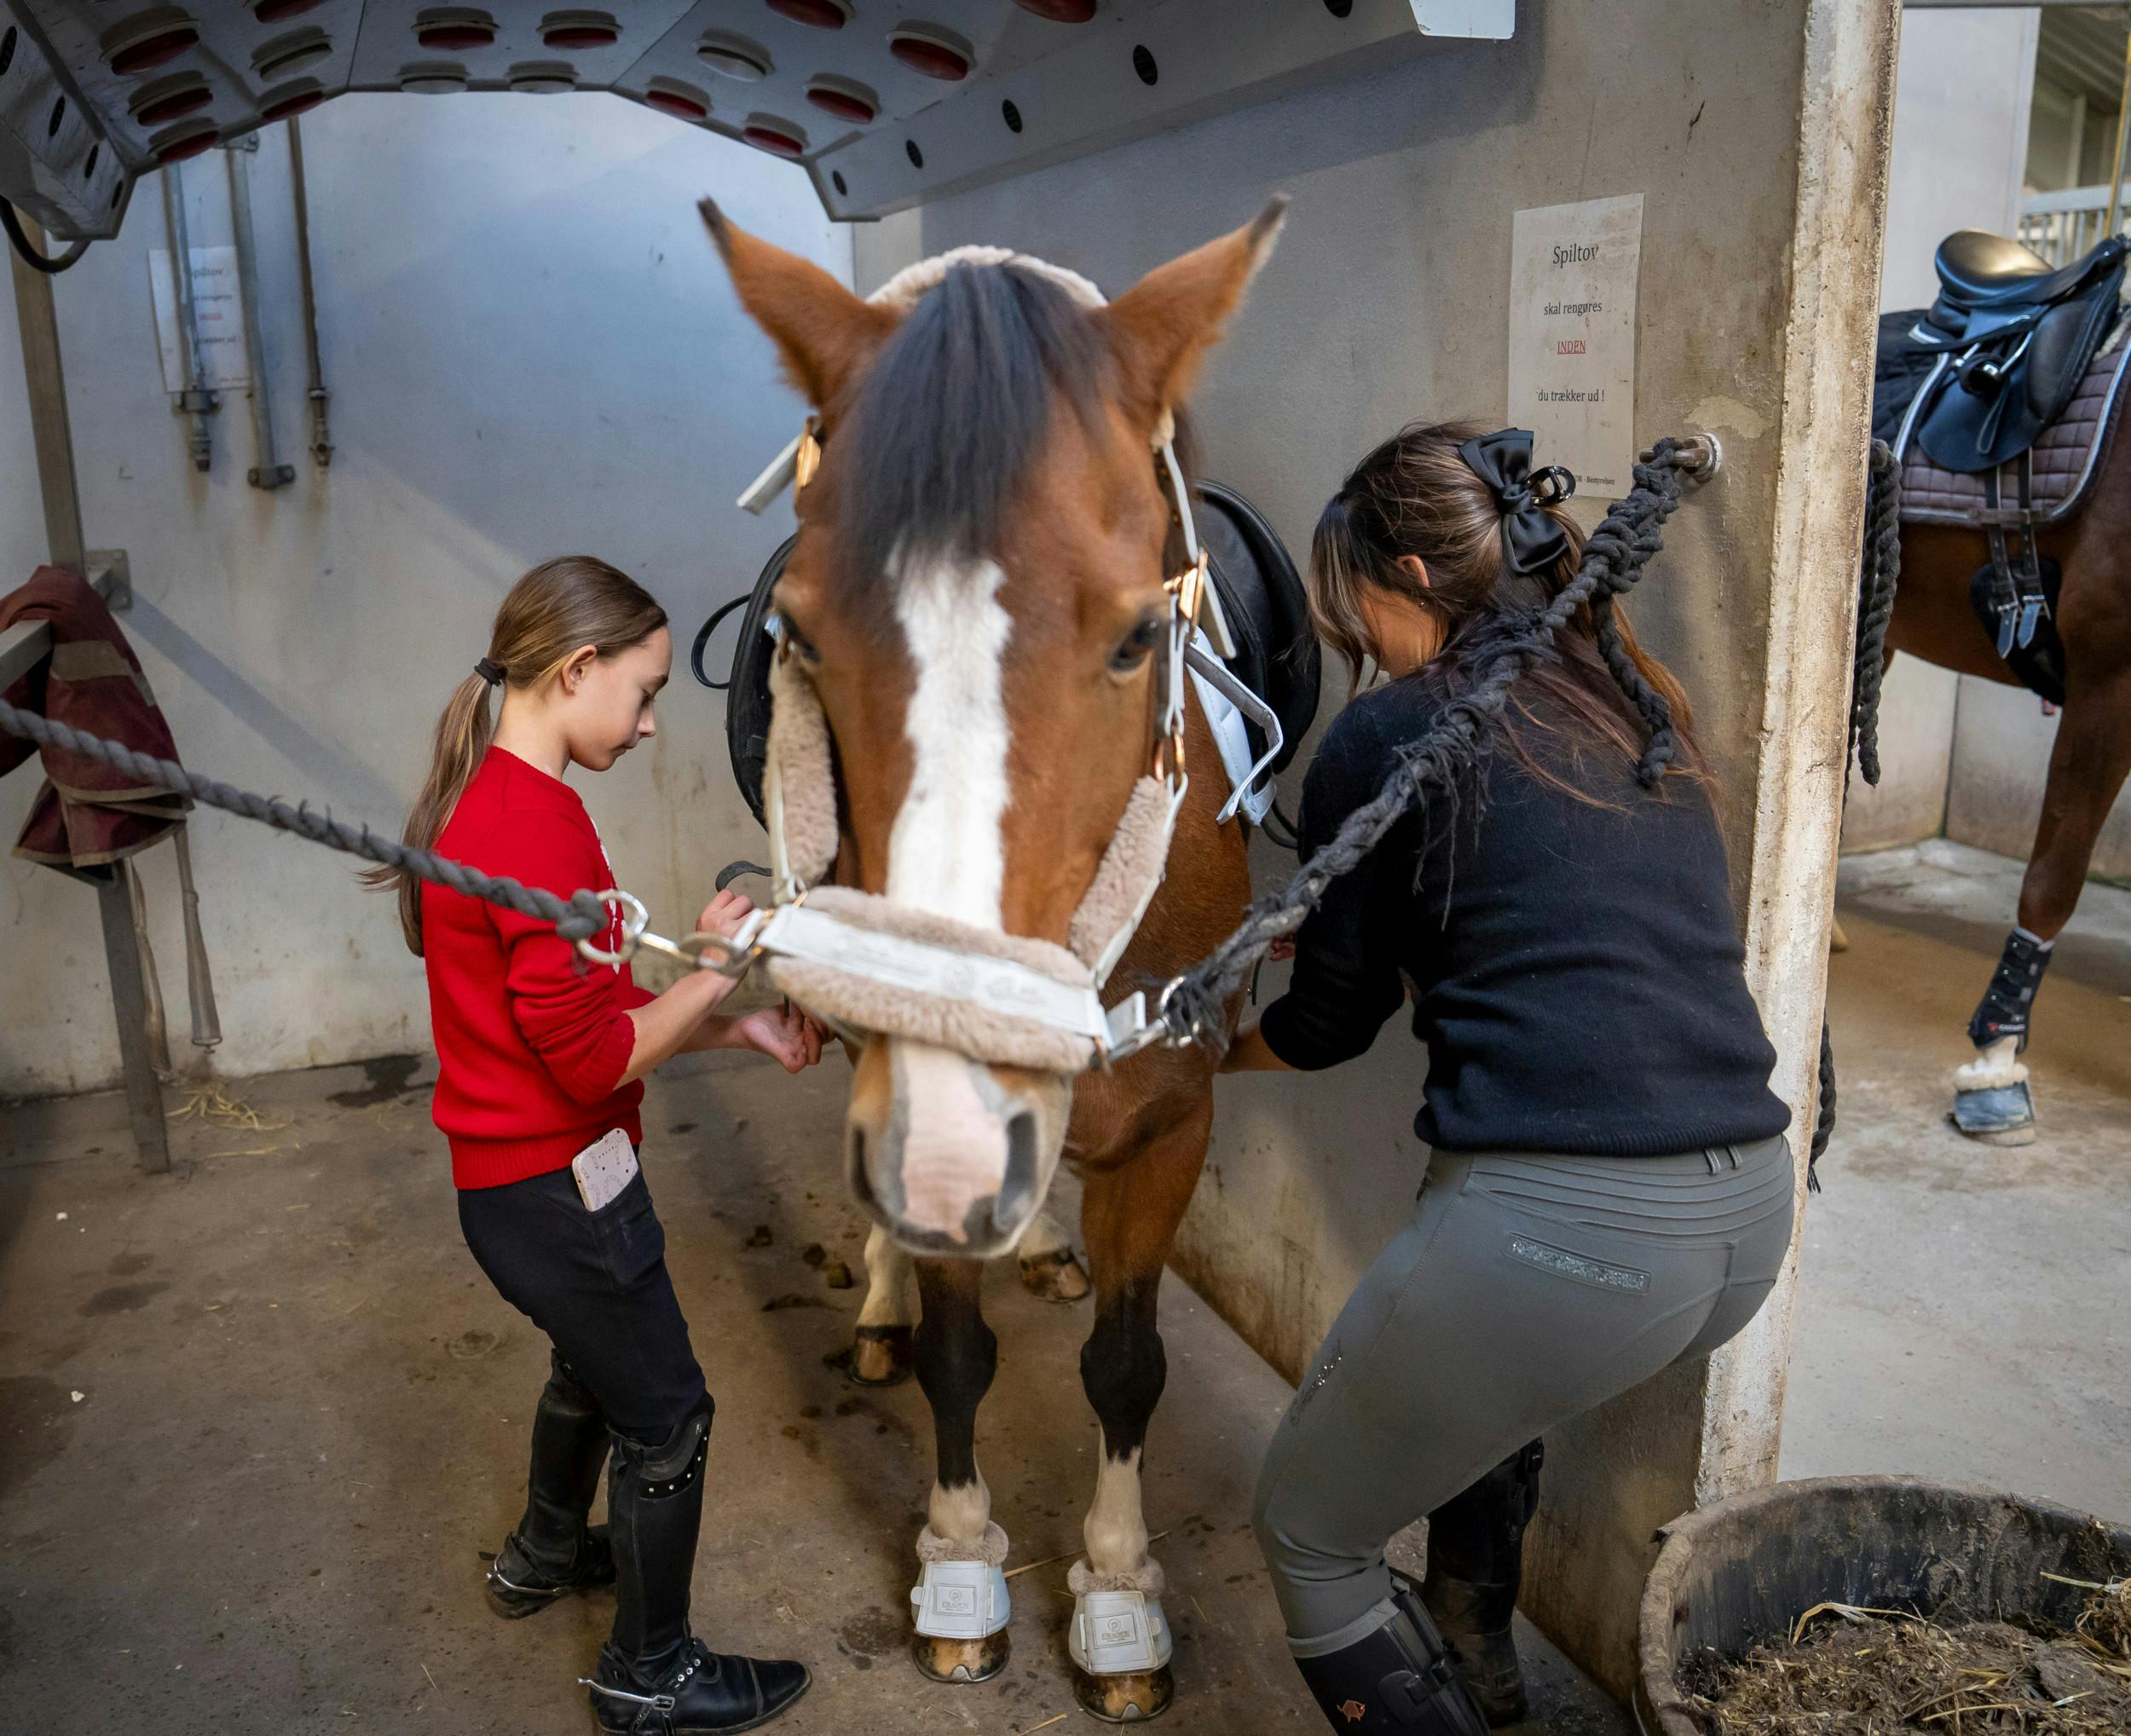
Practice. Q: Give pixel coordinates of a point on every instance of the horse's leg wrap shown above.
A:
(961, 1592)
(2003, 1012)
(1991, 1097)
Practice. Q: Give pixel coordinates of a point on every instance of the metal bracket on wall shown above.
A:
(111, 572)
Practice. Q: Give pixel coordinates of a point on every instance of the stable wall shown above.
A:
(1962, 92)
(1385, 302)
(532, 351)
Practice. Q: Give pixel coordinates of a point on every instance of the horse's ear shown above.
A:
(825, 335)
(1163, 326)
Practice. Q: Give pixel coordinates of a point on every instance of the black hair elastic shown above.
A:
(1531, 539)
(490, 672)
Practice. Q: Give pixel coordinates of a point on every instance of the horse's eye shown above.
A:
(799, 642)
(1137, 646)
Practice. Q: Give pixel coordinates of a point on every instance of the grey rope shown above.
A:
(1880, 573)
(1613, 558)
(578, 917)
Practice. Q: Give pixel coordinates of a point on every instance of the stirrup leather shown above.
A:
(960, 1600)
(1118, 1633)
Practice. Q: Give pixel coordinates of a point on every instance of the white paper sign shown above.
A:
(1572, 338)
(218, 308)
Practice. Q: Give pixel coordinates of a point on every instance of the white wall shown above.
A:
(2001, 751)
(1962, 93)
(532, 351)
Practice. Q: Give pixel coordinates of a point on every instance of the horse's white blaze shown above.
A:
(891, 1283)
(1116, 1528)
(947, 850)
(959, 1514)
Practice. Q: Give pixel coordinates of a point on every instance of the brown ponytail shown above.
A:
(552, 614)
(1415, 495)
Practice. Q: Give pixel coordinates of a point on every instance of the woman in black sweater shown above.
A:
(1610, 1191)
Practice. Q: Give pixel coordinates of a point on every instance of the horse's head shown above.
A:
(976, 595)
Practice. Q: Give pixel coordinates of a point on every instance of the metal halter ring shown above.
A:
(635, 919)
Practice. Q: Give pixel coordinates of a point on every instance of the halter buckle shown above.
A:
(808, 458)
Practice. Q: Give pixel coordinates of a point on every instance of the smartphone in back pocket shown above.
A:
(603, 1169)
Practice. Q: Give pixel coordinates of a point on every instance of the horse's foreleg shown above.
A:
(1120, 1638)
(961, 1599)
(2088, 763)
(881, 1347)
(1048, 1268)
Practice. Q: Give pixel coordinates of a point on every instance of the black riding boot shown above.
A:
(654, 1678)
(552, 1551)
(1476, 1558)
(1402, 1678)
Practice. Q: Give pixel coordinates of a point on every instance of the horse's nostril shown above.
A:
(1016, 1197)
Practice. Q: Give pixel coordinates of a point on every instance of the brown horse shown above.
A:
(1933, 619)
(977, 594)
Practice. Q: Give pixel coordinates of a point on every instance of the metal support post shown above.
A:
(55, 443)
(197, 398)
(270, 472)
(316, 395)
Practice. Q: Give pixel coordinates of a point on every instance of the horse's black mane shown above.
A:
(953, 412)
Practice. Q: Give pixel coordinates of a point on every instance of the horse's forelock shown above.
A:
(951, 417)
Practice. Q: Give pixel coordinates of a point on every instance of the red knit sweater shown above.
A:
(531, 1042)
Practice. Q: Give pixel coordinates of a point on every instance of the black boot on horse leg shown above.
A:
(654, 1678)
(1475, 1563)
(959, 1605)
(553, 1551)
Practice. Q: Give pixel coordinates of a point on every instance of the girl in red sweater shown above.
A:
(539, 1059)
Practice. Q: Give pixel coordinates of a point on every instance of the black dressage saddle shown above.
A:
(1971, 385)
(1262, 598)
(2016, 337)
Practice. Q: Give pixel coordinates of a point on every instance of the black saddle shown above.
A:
(1262, 598)
(2015, 339)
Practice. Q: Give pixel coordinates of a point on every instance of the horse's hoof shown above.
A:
(880, 1355)
(2000, 1115)
(1124, 1699)
(962, 1660)
(1056, 1276)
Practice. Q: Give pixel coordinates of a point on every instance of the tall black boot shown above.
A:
(1401, 1679)
(1475, 1563)
(654, 1678)
(553, 1551)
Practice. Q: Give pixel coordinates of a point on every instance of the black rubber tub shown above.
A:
(1742, 1571)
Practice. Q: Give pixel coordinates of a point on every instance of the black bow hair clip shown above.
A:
(1531, 539)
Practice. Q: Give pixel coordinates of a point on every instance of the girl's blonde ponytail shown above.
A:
(552, 614)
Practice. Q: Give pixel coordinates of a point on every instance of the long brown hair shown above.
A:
(1414, 494)
(553, 613)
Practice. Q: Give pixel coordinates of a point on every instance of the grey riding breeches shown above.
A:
(1526, 1289)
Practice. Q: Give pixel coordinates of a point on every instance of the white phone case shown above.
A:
(603, 1169)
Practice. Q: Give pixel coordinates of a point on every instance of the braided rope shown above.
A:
(1613, 558)
(578, 917)
(1882, 572)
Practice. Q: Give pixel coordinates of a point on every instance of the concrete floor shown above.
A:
(258, 1419)
(1965, 1310)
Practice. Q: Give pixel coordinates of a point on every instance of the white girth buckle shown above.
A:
(1118, 1633)
(960, 1600)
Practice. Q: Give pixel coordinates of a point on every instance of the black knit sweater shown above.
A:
(1577, 973)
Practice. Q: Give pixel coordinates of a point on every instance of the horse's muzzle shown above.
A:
(950, 1156)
